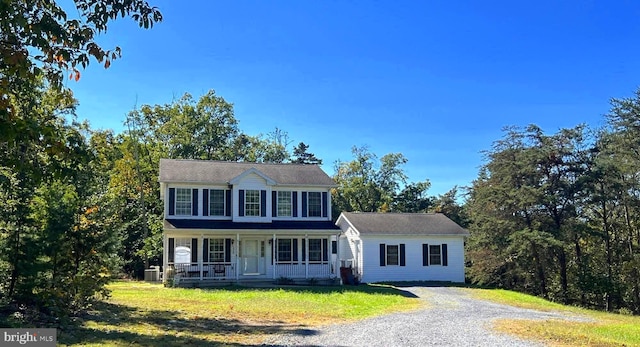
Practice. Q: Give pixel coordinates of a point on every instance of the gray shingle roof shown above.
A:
(404, 223)
(221, 172)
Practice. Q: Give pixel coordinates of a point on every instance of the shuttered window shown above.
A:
(435, 255)
(314, 204)
(393, 255)
(216, 250)
(284, 204)
(183, 202)
(252, 203)
(217, 205)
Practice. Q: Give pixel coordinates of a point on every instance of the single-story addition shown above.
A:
(381, 247)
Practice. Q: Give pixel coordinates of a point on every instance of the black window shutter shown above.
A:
(274, 207)
(194, 250)
(294, 203)
(383, 255)
(325, 250)
(263, 203)
(334, 247)
(172, 246)
(194, 202)
(445, 261)
(304, 250)
(324, 204)
(304, 204)
(294, 250)
(205, 202)
(227, 250)
(172, 201)
(403, 261)
(227, 203)
(241, 202)
(425, 254)
(205, 250)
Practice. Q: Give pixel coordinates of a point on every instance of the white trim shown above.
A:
(237, 179)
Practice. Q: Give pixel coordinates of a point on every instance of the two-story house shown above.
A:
(238, 221)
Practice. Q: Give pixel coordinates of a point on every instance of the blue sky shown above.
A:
(434, 80)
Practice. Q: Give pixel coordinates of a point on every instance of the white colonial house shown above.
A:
(231, 221)
(386, 247)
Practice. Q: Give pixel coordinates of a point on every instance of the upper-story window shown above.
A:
(314, 204)
(284, 204)
(252, 203)
(216, 202)
(183, 201)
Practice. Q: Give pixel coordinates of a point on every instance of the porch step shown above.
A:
(255, 283)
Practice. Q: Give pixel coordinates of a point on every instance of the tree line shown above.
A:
(559, 215)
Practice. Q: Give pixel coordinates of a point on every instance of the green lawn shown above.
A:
(607, 329)
(146, 314)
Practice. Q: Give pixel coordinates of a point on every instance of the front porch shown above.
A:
(245, 257)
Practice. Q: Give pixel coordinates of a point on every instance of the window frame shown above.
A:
(212, 202)
(314, 251)
(180, 206)
(250, 206)
(439, 254)
(220, 243)
(289, 253)
(279, 205)
(388, 254)
(309, 204)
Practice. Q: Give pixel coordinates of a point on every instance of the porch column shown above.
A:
(237, 256)
(165, 258)
(200, 264)
(306, 258)
(274, 256)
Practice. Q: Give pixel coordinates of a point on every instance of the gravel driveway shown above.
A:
(453, 318)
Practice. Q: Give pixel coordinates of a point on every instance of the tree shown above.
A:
(367, 184)
(40, 37)
(301, 156)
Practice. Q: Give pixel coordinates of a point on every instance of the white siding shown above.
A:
(413, 270)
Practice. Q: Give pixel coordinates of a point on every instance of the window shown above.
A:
(285, 250)
(284, 204)
(182, 251)
(392, 255)
(216, 202)
(315, 249)
(183, 201)
(252, 203)
(216, 250)
(434, 255)
(314, 204)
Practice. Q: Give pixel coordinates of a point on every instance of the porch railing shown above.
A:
(315, 270)
(204, 271)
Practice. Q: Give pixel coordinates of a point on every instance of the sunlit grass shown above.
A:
(599, 329)
(140, 313)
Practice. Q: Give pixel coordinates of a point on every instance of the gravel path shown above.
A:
(453, 318)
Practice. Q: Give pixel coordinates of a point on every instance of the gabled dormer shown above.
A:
(251, 189)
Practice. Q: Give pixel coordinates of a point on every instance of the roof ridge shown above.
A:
(240, 162)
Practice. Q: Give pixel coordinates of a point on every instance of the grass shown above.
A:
(604, 329)
(151, 315)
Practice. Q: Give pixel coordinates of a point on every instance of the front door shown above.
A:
(250, 257)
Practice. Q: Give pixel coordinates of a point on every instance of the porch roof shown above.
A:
(172, 224)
